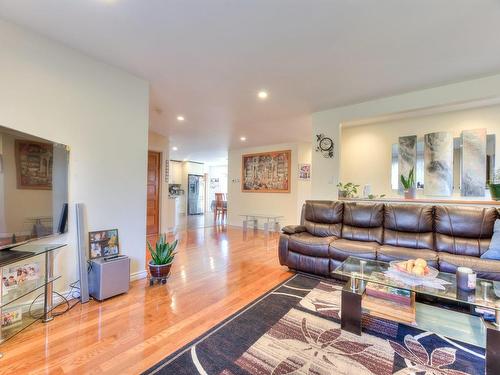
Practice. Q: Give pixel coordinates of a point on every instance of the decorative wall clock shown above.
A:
(324, 145)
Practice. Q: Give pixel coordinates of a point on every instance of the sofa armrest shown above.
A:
(292, 229)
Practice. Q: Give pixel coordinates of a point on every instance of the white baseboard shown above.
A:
(138, 275)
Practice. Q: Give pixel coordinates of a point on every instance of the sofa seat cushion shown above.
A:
(307, 244)
(485, 268)
(341, 249)
(387, 253)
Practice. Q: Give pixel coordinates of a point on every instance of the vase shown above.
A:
(411, 193)
(160, 271)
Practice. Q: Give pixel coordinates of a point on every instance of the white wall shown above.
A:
(366, 149)
(327, 171)
(285, 204)
(101, 112)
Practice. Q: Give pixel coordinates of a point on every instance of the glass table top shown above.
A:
(486, 295)
(25, 251)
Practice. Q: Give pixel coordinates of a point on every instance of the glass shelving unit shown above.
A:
(27, 277)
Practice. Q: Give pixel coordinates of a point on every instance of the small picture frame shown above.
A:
(11, 316)
(304, 171)
(103, 243)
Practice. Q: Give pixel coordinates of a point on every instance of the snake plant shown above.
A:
(408, 182)
(163, 253)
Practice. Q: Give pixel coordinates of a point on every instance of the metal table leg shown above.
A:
(48, 302)
(351, 310)
(493, 345)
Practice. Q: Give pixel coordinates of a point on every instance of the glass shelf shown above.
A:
(25, 251)
(26, 272)
(26, 320)
(21, 291)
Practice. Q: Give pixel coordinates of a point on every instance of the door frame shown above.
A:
(198, 175)
(159, 191)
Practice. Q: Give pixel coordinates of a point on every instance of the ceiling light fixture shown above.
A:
(262, 94)
(174, 148)
(243, 139)
(180, 118)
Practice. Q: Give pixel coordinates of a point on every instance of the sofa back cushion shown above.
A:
(363, 221)
(464, 230)
(323, 218)
(409, 225)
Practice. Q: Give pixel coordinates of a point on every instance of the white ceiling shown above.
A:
(206, 59)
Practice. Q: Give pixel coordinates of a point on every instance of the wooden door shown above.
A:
(153, 199)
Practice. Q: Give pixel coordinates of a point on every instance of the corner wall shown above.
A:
(285, 204)
(101, 112)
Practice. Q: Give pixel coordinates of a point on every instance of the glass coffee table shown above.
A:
(359, 272)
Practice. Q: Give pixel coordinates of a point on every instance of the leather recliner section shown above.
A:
(408, 233)
(307, 244)
(464, 230)
(485, 268)
(323, 218)
(363, 221)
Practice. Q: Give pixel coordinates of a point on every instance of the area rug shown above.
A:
(295, 329)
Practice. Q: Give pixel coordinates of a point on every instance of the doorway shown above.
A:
(196, 194)
(153, 194)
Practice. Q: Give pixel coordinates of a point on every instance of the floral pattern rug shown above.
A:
(295, 329)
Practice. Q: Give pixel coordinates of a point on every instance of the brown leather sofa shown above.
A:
(446, 236)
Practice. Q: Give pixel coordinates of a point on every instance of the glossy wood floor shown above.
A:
(217, 272)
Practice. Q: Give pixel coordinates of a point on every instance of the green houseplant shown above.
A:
(494, 186)
(409, 185)
(162, 256)
(348, 190)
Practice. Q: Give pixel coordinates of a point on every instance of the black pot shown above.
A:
(159, 270)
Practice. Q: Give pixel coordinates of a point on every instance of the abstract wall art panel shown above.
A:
(267, 172)
(438, 164)
(407, 156)
(473, 171)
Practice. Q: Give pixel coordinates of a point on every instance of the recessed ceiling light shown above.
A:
(262, 94)
(180, 118)
(243, 139)
(175, 148)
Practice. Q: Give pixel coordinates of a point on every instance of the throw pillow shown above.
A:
(493, 251)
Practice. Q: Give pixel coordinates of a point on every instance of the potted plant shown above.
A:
(494, 186)
(409, 185)
(162, 256)
(348, 190)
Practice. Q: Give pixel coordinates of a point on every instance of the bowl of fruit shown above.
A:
(416, 269)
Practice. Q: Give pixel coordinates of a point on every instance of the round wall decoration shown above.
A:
(325, 145)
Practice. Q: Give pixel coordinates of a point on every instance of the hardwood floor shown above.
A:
(217, 272)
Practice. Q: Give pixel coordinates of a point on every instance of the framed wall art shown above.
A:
(304, 171)
(266, 172)
(103, 243)
(34, 165)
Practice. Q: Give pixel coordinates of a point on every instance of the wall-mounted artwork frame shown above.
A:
(304, 171)
(266, 172)
(438, 162)
(103, 243)
(473, 163)
(34, 165)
